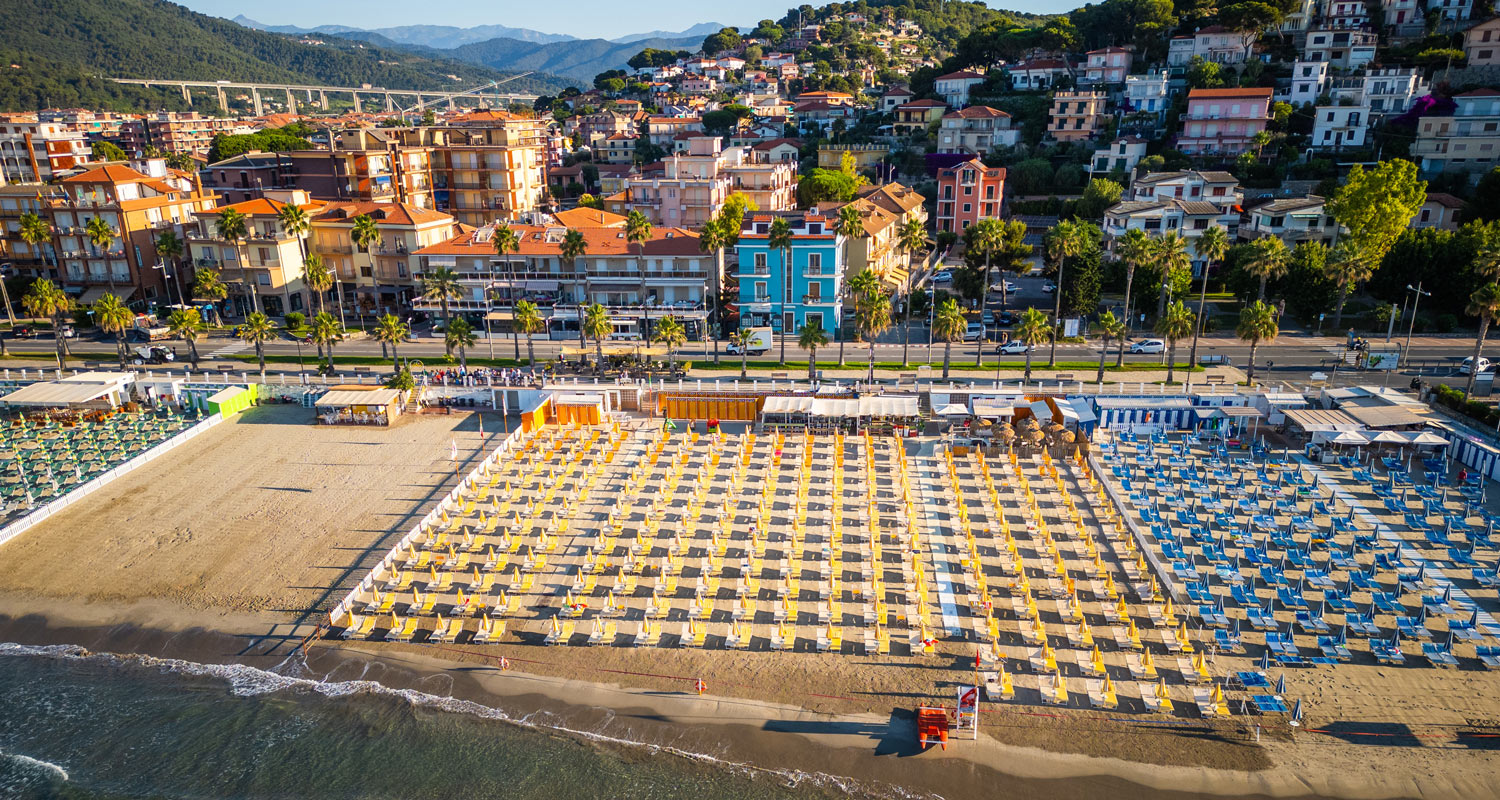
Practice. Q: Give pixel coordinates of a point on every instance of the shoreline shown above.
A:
(880, 750)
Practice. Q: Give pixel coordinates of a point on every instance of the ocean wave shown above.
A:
(36, 764)
(247, 681)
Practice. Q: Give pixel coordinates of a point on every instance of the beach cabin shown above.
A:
(1276, 404)
(358, 406)
(97, 391)
(1145, 414)
(231, 400)
(579, 408)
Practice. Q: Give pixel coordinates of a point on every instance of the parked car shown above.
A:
(974, 332)
(23, 332)
(988, 317)
(153, 354)
(1006, 318)
(1005, 287)
(942, 277)
(1148, 346)
(1468, 364)
(69, 332)
(1049, 287)
(1014, 347)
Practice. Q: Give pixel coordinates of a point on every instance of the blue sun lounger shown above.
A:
(1336, 647)
(1388, 651)
(1362, 624)
(1414, 627)
(1261, 618)
(1312, 621)
(1364, 580)
(1465, 629)
(1389, 602)
(1440, 654)
(1489, 655)
(1338, 601)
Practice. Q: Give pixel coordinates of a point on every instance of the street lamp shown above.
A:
(167, 278)
(1413, 323)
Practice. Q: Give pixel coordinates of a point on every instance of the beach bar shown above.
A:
(358, 406)
(91, 390)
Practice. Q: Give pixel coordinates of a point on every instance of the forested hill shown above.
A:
(59, 53)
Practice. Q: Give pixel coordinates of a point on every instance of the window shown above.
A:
(968, 191)
(760, 260)
(968, 207)
(814, 263)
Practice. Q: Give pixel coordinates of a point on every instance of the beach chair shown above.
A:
(491, 629)
(402, 629)
(1414, 627)
(698, 633)
(1388, 651)
(360, 625)
(1142, 665)
(1440, 654)
(1489, 655)
(1441, 605)
(447, 630)
(1157, 699)
(1465, 629)
(1312, 622)
(1211, 702)
(1054, 688)
(381, 603)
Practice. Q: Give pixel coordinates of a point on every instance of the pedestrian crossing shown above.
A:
(230, 349)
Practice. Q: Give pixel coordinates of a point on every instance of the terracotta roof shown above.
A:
(977, 112)
(1485, 92)
(1107, 50)
(535, 241)
(109, 173)
(772, 144)
(1444, 199)
(1289, 204)
(588, 218)
(394, 213)
(892, 196)
(1250, 92)
(266, 207)
(923, 104)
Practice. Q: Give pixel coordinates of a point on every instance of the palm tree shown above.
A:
(114, 317)
(1269, 259)
(1171, 255)
(326, 331)
(810, 338)
(575, 246)
(742, 339)
(1134, 249)
(637, 233)
(36, 232)
(505, 242)
(169, 247)
(1110, 327)
(1067, 240)
(318, 277)
(45, 299)
(862, 284)
(207, 285)
(713, 238)
(390, 330)
(911, 237)
(598, 326)
(780, 238)
(1176, 323)
(185, 324)
(101, 236)
(948, 326)
(872, 316)
(232, 227)
(1485, 304)
(1348, 266)
(296, 223)
(442, 285)
(365, 235)
(670, 333)
(1212, 246)
(257, 330)
(850, 225)
(529, 321)
(460, 337)
(989, 237)
(1032, 328)
(1257, 324)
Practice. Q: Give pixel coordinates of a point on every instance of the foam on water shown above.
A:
(247, 681)
(46, 768)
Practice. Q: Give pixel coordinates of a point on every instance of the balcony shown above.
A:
(816, 300)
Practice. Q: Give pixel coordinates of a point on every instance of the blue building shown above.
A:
(812, 292)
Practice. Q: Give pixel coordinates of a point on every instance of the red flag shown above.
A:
(976, 659)
(481, 427)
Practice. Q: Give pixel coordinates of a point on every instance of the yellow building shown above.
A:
(1075, 116)
(866, 156)
(883, 210)
(264, 270)
(383, 278)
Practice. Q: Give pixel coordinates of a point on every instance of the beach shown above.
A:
(232, 550)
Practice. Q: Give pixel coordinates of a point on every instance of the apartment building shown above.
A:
(1310, 80)
(1344, 49)
(668, 275)
(1105, 67)
(788, 294)
(369, 164)
(1122, 155)
(616, 149)
(693, 185)
(1482, 44)
(660, 131)
(1348, 14)
(384, 277)
(1213, 43)
(883, 210)
(480, 171)
(968, 193)
(1440, 210)
(247, 177)
(1075, 116)
(1149, 93)
(915, 117)
(1188, 218)
(1293, 220)
(1223, 121)
(603, 124)
(1391, 91)
(16, 201)
(174, 132)
(1220, 188)
(264, 270)
(1188, 202)
(976, 131)
(1338, 127)
(139, 202)
(1037, 74)
(955, 86)
(1466, 141)
(1452, 11)
(39, 152)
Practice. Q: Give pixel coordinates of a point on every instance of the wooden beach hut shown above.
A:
(369, 406)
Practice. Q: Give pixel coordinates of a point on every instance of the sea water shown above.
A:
(79, 725)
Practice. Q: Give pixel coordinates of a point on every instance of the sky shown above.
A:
(607, 19)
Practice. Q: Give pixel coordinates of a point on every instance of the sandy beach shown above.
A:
(231, 550)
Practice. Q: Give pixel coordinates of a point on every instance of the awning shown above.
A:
(994, 407)
(1383, 416)
(1388, 437)
(1312, 420)
(344, 399)
(1234, 412)
(784, 404)
(92, 294)
(1347, 437)
(1426, 439)
(953, 410)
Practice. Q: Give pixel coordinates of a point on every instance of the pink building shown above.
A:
(1109, 66)
(1223, 121)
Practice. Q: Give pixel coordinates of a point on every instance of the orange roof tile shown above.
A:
(393, 213)
(535, 241)
(1250, 92)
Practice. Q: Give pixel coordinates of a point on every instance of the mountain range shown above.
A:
(447, 37)
(65, 57)
(580, 59)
